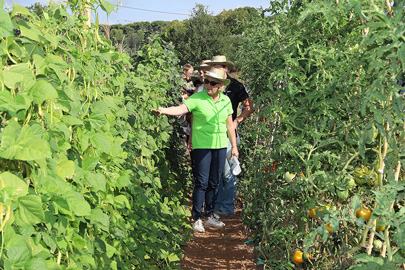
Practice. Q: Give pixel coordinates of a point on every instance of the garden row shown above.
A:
(325, 77)
(89, 178)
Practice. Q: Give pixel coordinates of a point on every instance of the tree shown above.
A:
(37, 8)
(201, 37)
(235, 21)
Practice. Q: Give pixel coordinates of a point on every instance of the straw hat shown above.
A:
(203, 64)
(218, 74)
(221, 60)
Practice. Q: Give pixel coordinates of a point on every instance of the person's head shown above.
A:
(188, 70)
(220, 62)
(214, 81)
(203, 68)
(186, 93)
(197, 79)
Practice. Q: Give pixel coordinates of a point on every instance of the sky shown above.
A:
(138, 10)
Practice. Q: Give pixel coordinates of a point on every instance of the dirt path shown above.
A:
(220, 248)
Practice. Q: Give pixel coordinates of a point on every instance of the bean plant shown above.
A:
(87, 179)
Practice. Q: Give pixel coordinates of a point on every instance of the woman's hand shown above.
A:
(189, 144)
(235, 152)
(158, 111)
(175, 110)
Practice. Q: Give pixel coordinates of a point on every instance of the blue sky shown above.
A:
(127, 15)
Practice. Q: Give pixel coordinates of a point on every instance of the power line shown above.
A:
(150, 10)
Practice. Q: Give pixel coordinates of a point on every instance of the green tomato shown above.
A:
(360, 175)
(377, 244)
(373, 179)
(342, 194)
(288, 177)
(349, 182)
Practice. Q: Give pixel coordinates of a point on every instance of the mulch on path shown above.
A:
(220, 248)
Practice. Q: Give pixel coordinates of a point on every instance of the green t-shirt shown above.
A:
(209, 123)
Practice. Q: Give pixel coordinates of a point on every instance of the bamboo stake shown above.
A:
(381, 157)
(386, 232)
(389, 8)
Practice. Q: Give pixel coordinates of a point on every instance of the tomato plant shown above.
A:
(329, 86)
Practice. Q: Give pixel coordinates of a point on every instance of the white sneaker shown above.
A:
(198, 226)
(213, 222)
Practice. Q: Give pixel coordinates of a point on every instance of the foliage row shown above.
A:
(81, 157)
(324, 77)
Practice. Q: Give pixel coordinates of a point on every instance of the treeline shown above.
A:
(201, 36)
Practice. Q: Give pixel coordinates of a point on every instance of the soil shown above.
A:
(220, 248)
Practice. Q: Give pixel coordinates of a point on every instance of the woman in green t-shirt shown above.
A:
(212, 122)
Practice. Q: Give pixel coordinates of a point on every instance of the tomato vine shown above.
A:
(325, 73)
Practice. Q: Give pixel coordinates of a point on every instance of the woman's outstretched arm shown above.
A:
(175, 110)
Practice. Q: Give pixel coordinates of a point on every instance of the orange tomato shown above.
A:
(298, 257)
(312, 212)
(364, 212)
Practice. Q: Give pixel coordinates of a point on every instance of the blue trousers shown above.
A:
(208, 165)
(226, 193)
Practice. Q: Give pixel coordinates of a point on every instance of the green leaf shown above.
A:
(18, 256)
(19, 73)
(99, 219)
(20, 10)
(61, 205)
(25, 147)
(97, 120)
(107, 6)
(56, 61)
(36, 263)
(20, 105)
(70, 120)
(29, 30)
(41, 91)
(14, 185)
(173, 258)
(6, 26)
(110, 250)
(5, 97)
(101, 142)
(90, 163)
(80, 207)
(29, 211)
(49, 241)
(88, 261)
(123, 181)
(96, 181)
(78, 242)
(121, 201)
(66, 169)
